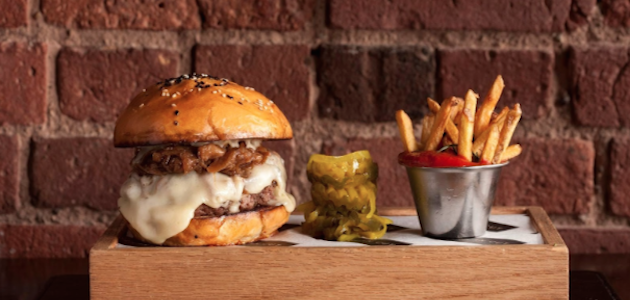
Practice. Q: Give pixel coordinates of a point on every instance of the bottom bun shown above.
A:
(236, 229)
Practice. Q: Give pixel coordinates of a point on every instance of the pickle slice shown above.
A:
(352, 169)
(343, 191)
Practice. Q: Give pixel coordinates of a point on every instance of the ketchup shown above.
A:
(434, 159)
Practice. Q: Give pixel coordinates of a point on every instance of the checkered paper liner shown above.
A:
(405, 231)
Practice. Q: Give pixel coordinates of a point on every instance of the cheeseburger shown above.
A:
(200, 174)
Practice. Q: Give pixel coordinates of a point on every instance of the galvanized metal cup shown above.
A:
(454, 202)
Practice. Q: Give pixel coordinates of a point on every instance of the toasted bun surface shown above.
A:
(237, 229)
(199, 109)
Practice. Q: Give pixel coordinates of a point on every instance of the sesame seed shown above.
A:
(144, 90)
(173, 104)
(270, 101)
(141, 105)
(176, 123)
(223, 95)
(260, 108)
(177, 112)
(214, 92)
(241, 103)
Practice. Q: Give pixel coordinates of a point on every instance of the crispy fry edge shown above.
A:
(482, 119)
(451, 130)
(405, 127)
(507, 131)
(466, 126)
(439, 125)
(490, 147)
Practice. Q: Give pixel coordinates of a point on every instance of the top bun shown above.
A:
(199, 108)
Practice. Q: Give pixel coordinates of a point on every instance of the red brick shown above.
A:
(580, 13)
(97, 85)
(527, 75)
(393, 185)
(286, 150)
(595, 241)
(370, 84)
(601, 86)
(135, 14)
(620, 177)
(347, 84)
(23, 83)
(47, 241)
(556, 174)
(281, 15)
(9, 175)
(616, 12)
(279, 72)
(14, 13)
(78, 171)
(513, 15)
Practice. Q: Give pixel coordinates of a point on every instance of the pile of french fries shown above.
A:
(481, 133)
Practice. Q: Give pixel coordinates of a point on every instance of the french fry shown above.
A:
(439, 125)
(466, 126)
(511, 152)
(501, 117)
(406, 131)
(482, 119)
(427, 123)
(480, 141)
(458, 115)
(491, 144)
(513, 116)
(451, 129)
(457, 107)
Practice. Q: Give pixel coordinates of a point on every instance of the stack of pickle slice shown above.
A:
(344, 198)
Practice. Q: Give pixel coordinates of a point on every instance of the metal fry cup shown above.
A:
(454, 202)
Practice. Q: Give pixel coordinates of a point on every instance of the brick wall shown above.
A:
(338, 69)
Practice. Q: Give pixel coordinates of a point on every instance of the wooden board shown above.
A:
(391, 272)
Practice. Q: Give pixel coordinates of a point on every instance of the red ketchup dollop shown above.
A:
(434, 159)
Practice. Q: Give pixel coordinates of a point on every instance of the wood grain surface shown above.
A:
(375, 272)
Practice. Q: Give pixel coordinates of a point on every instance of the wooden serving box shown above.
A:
(380, 272)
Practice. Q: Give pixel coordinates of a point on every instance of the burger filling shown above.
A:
(208, 158)
(171, 185)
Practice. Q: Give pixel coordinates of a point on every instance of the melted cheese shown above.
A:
(159, 207)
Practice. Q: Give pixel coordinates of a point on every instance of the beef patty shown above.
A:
(248, 202)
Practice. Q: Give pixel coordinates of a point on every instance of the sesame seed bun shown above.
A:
(199, 108)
